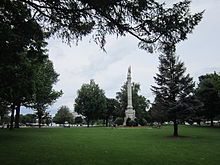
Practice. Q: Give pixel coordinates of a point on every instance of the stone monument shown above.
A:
(129, 112)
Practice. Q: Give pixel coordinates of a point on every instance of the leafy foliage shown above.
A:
(44, 94)
(112, 107)
(63, 115)
(78, 120)
(119, 121)
(90, 101)
(28, 118)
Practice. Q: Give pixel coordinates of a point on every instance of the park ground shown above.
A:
(110, 146)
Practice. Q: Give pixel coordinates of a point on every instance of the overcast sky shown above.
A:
(78, 64)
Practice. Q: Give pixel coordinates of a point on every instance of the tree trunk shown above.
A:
(88, 122)
(12, 116)
(106, 122)
(175, 127)
(39, 119)
(17, 116)
(212, 124)
(2, 118)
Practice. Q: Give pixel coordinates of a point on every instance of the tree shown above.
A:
(28, 118)
(90, 101)
(174, 89)
(78, 120)
(208, 92)
(112, 106)
(63, 115)
(47, 118)
(44, 94)
(4, 110)
(158, 111)
(22, 41)
(139, 102)
(151, 22)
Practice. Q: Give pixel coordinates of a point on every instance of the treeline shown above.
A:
(95, 108)
(92, 103)
(192, 104)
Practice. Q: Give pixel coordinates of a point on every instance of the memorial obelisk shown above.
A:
(129, 112)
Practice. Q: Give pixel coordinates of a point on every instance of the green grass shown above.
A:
(102, 146)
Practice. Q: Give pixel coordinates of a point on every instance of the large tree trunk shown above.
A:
(17, 116)
(175, 128)
(12, 116)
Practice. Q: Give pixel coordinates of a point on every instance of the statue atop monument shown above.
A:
(129, 71)
(129, 112)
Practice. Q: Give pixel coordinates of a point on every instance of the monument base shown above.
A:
(129, 113)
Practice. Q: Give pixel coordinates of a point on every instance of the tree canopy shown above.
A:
(151, 22)
(63, 115)
(44, 95)
(90, 101)
(208, 92)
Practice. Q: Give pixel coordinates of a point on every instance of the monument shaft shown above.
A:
(130, 112)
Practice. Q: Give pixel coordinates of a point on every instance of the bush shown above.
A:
(131, 123)
(119, 121)
(142, 122)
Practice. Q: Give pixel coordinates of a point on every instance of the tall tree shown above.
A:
(139, 102)
(208, 92)
(44, 94)
(174, 89)
(90, 101)
(63, 115)
(151, 22)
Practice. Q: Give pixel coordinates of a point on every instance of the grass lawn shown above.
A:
(102, 146)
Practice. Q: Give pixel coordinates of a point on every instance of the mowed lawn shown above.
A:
(108, 146)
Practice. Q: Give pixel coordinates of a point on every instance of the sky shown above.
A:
(77, 64)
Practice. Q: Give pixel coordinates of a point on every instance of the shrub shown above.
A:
(119, 121)
(142, 122)
(131, 123)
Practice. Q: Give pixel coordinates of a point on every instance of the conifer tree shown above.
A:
(175, 89)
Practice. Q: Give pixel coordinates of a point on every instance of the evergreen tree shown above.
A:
(208, 92)
(174, 89)
(158, 111)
